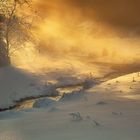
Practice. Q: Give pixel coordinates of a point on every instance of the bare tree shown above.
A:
(15, 27)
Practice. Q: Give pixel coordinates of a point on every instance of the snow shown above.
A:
(107, 112)
(16, 84)
(42, 103)
(13, 83)
(127, 86)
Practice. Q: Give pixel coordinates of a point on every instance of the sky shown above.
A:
(85, 21)
(89, 30)
(120, 14)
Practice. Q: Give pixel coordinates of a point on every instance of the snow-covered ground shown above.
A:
(16, 84)
(109, 111)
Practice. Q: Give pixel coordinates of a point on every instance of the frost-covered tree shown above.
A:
(15, 27)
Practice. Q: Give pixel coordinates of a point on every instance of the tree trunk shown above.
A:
(4, 54)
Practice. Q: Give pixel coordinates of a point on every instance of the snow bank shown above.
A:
(43, 103)
(105, 113)
(16, 84)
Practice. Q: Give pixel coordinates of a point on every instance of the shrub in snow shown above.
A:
(96, 123)
(76, 116)
(72, 96)
(134, 79)
(101, 103)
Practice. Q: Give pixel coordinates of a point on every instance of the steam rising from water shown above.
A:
(70, 39)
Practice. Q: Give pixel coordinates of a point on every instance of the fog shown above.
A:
(86, 31)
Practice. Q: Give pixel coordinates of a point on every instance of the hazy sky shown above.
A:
(123, 14)
(119, 14)
(89, 28)
(73, 33)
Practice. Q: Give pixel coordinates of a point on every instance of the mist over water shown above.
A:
(72, 35)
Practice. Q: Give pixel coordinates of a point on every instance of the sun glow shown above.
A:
(68, 39)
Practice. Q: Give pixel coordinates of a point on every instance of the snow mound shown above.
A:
(133, 77)
(43, 103)
(15, 84)
(101, 116)
(127, 86)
